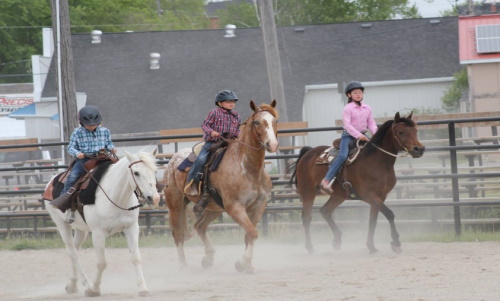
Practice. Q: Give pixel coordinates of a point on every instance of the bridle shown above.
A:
(253, 124)
(137, 189)
(407, 152)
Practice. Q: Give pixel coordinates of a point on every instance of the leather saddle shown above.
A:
(327, 156)
(71, 200)
(217, 151)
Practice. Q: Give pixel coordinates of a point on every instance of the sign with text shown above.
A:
(13, 102)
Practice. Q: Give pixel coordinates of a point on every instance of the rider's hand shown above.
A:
(363, 138)
(80, 155)
(215, 134)
(113, 150)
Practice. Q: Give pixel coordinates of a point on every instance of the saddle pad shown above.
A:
(87, 195)
(53, 190)
(327, 156)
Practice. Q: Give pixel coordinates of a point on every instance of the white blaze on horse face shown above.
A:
(270, 141)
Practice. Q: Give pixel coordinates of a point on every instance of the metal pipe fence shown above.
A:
(451, 149)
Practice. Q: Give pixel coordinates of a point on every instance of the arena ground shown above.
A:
(423, 272)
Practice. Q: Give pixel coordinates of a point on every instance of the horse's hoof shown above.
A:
(373, 251)
(396, 250)
(71, 289)
(337, 245)
(144, 293)
(250, 270)
(207, 262)
(91, 293)
(239, 266)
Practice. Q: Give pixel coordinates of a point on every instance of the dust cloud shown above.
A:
(284, 271)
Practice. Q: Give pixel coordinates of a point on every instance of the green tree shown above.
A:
(21, 22)
(136, 15)
(300, 12)
(452, 96)
(21, 37)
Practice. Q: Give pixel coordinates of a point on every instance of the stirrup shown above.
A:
(190, 187)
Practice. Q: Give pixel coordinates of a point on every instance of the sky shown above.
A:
(434, 9)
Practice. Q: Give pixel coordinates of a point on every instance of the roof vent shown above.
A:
(154, 60)
(230, 28)
(434, 21)
(96, 36)
(299, 29)
(366, 25)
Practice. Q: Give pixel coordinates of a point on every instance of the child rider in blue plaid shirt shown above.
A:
(86, 140)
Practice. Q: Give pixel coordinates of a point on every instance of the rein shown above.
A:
(396, 138)
(136, 189)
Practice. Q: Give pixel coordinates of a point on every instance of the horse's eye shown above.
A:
(256, 122)
(401, 132)
(136, 173)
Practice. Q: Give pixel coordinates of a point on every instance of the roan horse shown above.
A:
(371, 175)
(240, 180)
(111, 213)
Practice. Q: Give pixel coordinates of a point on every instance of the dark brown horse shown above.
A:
(371, 175)
(240, 180)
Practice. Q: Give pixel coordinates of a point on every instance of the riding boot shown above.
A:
(327, 186)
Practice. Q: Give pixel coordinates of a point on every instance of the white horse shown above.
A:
(109, 215)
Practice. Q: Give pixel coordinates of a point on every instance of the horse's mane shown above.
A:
(272, 110)
(382, 131)
(148, 159)
(264, 107)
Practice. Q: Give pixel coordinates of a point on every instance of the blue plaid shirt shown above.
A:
(87, 142)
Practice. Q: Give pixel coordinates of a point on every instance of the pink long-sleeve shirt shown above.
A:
(358, 119)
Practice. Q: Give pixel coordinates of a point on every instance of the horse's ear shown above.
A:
(252, 106)
(273, 103)
(409, 116)
(154, 152)
(130, 157)
(397, 117)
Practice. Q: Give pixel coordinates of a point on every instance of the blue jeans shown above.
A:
(76, 172)
(199, 163)
(339, 160)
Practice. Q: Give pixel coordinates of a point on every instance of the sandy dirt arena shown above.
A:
(424, 271)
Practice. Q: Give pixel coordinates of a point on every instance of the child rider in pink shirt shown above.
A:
(358, 118)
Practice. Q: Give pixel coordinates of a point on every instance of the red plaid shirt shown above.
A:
(222, 121)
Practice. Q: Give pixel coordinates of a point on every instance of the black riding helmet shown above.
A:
(353, 85)
(225, 95)
(89, 115)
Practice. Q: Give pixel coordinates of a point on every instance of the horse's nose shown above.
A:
(418, 151)
(272, 147)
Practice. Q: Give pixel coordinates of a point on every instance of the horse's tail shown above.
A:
(293, 167)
